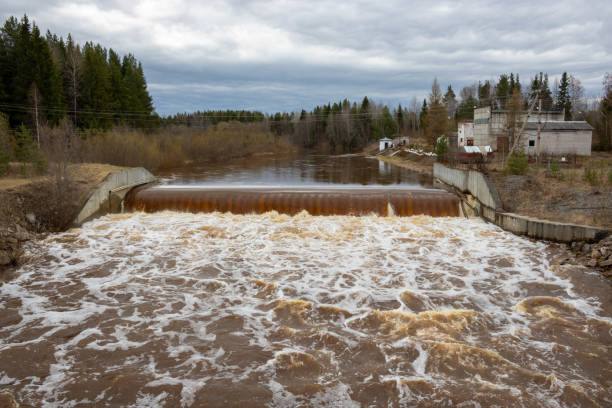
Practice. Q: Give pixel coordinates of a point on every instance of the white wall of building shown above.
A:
(558, 142)
(465, 130)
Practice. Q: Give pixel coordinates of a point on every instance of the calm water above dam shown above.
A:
(219, 309)
(307, 170)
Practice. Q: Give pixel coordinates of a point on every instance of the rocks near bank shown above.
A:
(596, 255)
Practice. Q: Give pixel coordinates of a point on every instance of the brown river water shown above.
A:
(219, 309)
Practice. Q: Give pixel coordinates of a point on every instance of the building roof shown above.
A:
(385, 139)
(560, 125)
(534, 112)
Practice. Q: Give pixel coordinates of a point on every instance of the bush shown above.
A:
(4, 161)
(590, 176)
(442, 148)
(517, 163)
(555, 170)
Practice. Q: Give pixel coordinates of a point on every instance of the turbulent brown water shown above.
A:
(316, 201)
(179, 309)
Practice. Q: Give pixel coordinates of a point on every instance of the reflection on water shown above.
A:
(299, 170)
(179, 309)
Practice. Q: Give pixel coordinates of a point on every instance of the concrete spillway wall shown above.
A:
(109, 194)
(490, 207)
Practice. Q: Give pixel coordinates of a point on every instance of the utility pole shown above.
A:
(539, 131)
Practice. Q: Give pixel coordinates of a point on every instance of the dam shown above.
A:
(293, 200)
(221, 287)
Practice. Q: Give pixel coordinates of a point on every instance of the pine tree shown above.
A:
(484, 93)
(423, 115)
(563, 100)
(95, 95)
(400, 118)
(450, 102)
(503, 90)
(437, 120)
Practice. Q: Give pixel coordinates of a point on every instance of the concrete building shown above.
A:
(385, 143)
(401, 141)
(558, 138)
(465, 133)
(490, 125)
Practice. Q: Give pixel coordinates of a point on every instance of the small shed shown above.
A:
(385, 143)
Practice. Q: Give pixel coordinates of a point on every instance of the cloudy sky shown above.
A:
(288, 55)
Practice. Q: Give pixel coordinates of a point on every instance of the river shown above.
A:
(221, 309)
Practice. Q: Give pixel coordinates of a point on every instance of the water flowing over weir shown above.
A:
(293, 200)
(209, 294)
(223, 310)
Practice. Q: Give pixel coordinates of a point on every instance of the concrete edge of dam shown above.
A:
(109, 194)
(490, 208)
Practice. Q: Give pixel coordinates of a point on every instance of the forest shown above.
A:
(98, 100)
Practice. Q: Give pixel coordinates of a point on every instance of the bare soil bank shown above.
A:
(31, 205)
(568, 199)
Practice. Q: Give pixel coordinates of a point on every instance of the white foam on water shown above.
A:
(183, 296)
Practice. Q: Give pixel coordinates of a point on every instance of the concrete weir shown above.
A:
(109, 194)
(490, 208)
(327, 200)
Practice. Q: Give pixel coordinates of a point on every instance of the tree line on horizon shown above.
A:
(44, 79)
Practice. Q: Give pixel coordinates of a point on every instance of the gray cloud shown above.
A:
(285, 55)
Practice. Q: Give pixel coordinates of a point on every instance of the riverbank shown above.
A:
(421, 162)
(30, 205)
(577, 195)
(534, 195)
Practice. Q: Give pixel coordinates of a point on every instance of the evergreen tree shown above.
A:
(484, 93)
(465, 110)
(423, 115)
(539, 86)
(450, 102)
(503, 90)
(437, 120)
(95, 95)
(563, 99)
(385, 125)
(66, 77)
(400, 118)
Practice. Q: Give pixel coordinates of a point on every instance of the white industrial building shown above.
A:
(465, 133)
(491, 125)
(558, 138)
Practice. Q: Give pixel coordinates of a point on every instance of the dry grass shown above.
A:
(564, 195)
(173, 147)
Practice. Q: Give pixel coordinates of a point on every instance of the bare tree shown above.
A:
(73, 71)
(35, 101)
(576, 94)
(515, 107)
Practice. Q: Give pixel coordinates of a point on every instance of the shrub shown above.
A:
(4, 160)
(442, 148)
(517, 163)
(555, 170)
(590, 176)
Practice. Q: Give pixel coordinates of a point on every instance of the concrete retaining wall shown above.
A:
(123, 181)
(489, 205)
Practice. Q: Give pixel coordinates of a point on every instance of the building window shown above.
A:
(531, 143)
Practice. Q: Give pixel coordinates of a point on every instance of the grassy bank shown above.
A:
(175, 146)
(580, 193)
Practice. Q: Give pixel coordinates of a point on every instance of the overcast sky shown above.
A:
(287, 55)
